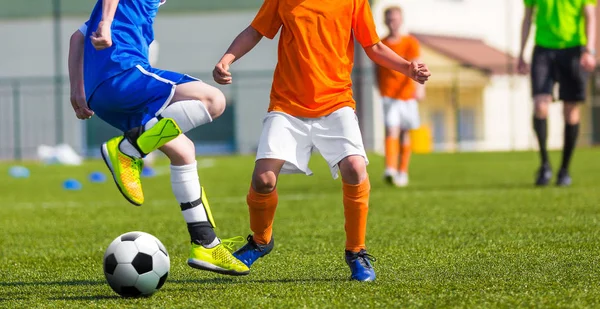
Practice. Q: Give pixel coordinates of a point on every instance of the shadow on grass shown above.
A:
(58, 283)
(244, 281)
(89, 297)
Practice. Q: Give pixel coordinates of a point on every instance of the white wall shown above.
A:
(498, 22)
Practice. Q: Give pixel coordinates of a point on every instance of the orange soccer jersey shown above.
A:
(393, 84)
(316, 52)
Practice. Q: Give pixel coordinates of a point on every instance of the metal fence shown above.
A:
(457, 117)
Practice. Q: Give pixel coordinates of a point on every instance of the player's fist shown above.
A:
(588, 62)
(221, 74)
(102, 37)
(80, 106)
(419, 72)
(522, 66)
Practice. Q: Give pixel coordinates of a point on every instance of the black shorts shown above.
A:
(562, 66)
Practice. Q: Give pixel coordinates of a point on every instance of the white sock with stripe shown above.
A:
(186, 187)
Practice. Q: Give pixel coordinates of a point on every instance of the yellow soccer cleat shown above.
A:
(217, 259)
(126, 170)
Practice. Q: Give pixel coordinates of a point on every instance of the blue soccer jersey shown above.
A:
(132, 33)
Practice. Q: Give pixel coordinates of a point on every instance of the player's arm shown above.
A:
(384, 56)
(101, 38)
(525, 30)
(75, 62)
(266, 23)
(240, 46)
(588, 59)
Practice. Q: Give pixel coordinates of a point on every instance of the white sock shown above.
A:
(187, 114)
(186, 187)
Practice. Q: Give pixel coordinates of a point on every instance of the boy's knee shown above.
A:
(264, 182)
(180, 151)
(215, 103)
(353, 169)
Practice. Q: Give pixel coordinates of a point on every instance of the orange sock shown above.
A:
(392, 148)
(262, 212)
(356, 208)
(405, 152)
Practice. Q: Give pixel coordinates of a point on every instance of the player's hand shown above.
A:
(221, 74)
(522, 66)
(588, 62)
(419, 72)
(102, 37)
(80, 106)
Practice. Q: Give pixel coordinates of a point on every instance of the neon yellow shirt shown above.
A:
(559, 23)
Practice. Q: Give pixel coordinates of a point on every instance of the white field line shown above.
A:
(242, 199)
(215, 201)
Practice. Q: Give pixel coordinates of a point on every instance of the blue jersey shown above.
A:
(132, 33)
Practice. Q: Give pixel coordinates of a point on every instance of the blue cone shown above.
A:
(97, 177)
(147, 171)
(18, 172)
(72, 185)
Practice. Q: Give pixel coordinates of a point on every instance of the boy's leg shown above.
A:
(207, 251)
(339, 140)
(573, 82)
(262, 202)
(285, 147)
(192, 104)
(572, 117)
(391, 109)
(356, 189)
(410, 120)
(392, 153)
(543, 73)
(405, 152)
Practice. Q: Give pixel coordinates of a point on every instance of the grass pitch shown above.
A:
(470, 231)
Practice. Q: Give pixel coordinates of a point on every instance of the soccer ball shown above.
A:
(136, 264)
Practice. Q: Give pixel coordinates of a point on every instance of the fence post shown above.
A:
(456, 105)
(58, 87)
(16, 94)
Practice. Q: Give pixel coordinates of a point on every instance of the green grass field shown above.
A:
(470, 231)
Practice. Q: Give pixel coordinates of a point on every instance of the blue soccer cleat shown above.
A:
(360, 265)
(252, 251)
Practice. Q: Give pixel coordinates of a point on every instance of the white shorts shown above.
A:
(293, 140)
(401, 114)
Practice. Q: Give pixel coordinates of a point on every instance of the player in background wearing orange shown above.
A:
(400, 95)
(312, 108)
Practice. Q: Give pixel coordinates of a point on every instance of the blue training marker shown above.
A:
(148, 172)
(97, 177)
(19, 172)
(72, 185)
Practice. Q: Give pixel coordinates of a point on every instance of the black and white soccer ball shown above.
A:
(136, 264)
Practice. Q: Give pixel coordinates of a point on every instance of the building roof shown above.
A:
(469, 52)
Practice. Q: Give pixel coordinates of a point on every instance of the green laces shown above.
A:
(230, 243)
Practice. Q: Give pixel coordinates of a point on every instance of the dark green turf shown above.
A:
(470, 231)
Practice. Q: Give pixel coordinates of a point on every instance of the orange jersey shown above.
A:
(393, 84)
(316, 52)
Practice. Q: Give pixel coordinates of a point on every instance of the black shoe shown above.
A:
(563, 179)
(544, 175)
